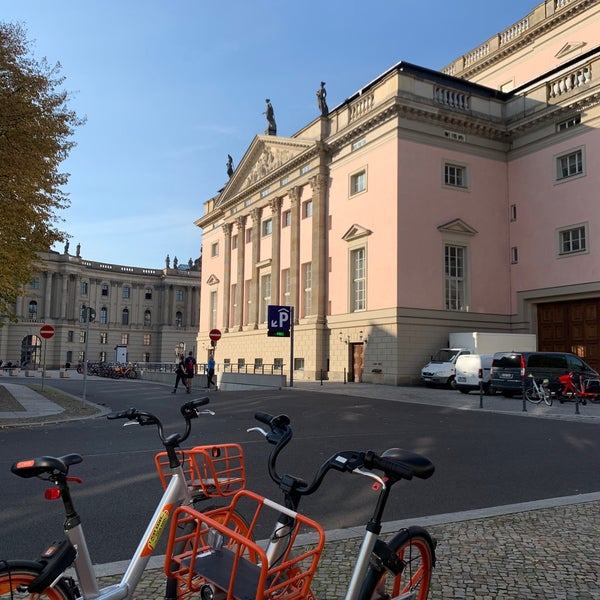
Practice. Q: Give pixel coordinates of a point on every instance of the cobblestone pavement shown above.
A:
(550, 553)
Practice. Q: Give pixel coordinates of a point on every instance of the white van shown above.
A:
(471, 369)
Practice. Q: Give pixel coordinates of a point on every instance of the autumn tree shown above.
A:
(36, 128)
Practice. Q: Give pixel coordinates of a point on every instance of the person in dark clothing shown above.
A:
(180, 374)
(190, 370)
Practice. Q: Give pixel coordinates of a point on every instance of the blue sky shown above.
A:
(171, 87)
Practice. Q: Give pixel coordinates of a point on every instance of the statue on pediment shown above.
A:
(271, 125)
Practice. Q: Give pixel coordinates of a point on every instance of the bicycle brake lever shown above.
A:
(370, 475)
(259, 429)
(206, 411)
(130, 423)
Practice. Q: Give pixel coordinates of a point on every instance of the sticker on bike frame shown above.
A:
(157, 531)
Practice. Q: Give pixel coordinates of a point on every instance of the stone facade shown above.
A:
(141, 314)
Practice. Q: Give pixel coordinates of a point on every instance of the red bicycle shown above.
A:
(575, 388)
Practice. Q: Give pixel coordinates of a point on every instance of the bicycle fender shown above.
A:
(55, 560)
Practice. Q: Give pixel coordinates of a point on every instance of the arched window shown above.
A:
(147, 317)
(33, 309)
(104, 315)
(179, 318)
(125, 317)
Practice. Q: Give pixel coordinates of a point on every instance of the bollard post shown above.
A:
(480, 393)
(321, 376)
(344, 374)
(576, 403)
(523, 394)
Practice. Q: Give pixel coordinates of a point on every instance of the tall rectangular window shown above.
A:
(233, 307)
(265, 296)
(285, 287)
(454, 277)
(147, 339)
(307, 289)
(124, 339)
(126, 292)
(358, 280)
(267, 227)
(213, 310)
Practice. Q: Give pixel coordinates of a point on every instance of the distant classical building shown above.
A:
(427, 202)
(141, 315)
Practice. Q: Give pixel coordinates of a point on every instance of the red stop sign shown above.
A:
(46, 331)
(214, 335)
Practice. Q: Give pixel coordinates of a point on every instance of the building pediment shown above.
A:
(569, 48)
(266, 159)
(457, 226)
(355, 232)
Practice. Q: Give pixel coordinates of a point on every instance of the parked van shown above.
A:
(471, 369)
(510, 368)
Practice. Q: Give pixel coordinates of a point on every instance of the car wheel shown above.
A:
(451, 383)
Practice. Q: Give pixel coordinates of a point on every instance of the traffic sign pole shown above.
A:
(46, 332)
(291, 346)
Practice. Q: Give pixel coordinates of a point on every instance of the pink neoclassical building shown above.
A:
(428, 202)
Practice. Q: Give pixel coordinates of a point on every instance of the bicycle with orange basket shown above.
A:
(218, 561)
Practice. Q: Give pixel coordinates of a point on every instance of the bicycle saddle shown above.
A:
(45, 464)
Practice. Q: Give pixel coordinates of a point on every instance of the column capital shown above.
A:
(227, 227)
(295, 193)
(255, 215)
(275, 204)
(240, 222)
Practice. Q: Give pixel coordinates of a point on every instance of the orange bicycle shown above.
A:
(219, 561)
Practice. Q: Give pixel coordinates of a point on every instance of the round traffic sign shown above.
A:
(214, 335)
(46, 331)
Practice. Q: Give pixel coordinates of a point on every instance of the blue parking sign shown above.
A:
(279, 320)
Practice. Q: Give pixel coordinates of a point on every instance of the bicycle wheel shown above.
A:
(17, 576)
(415, 548)
(532, 395)
(548, 398)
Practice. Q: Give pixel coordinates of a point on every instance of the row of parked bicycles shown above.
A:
(567, 388)
(113, 370)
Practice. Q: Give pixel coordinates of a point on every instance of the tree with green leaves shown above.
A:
(36, 129)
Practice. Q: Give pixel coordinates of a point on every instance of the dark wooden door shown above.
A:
(572, 326)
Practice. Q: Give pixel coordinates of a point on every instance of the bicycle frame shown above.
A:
(177, 493)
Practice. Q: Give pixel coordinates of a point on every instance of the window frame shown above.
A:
(560, 241)
(354, 178)
(458, 300)
(580, 158)
(458, 166)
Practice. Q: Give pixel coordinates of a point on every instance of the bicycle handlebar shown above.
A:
(189, 410)
(395, 463)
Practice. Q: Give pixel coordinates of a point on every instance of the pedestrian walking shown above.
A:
(190, 370)
(210, 371)
(180, 374)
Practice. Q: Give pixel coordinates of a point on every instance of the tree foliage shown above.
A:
(36, 128)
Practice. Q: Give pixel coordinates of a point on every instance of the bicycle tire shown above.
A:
(532, 395)
(548, 399)
(16, 576)
(416, 548)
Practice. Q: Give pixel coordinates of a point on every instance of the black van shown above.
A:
(510, 368)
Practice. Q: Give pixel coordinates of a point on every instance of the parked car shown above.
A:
(510, 368)
(471, 369)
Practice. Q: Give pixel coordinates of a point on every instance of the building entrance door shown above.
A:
(357, 363)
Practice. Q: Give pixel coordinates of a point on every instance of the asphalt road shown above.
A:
(482, 460)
